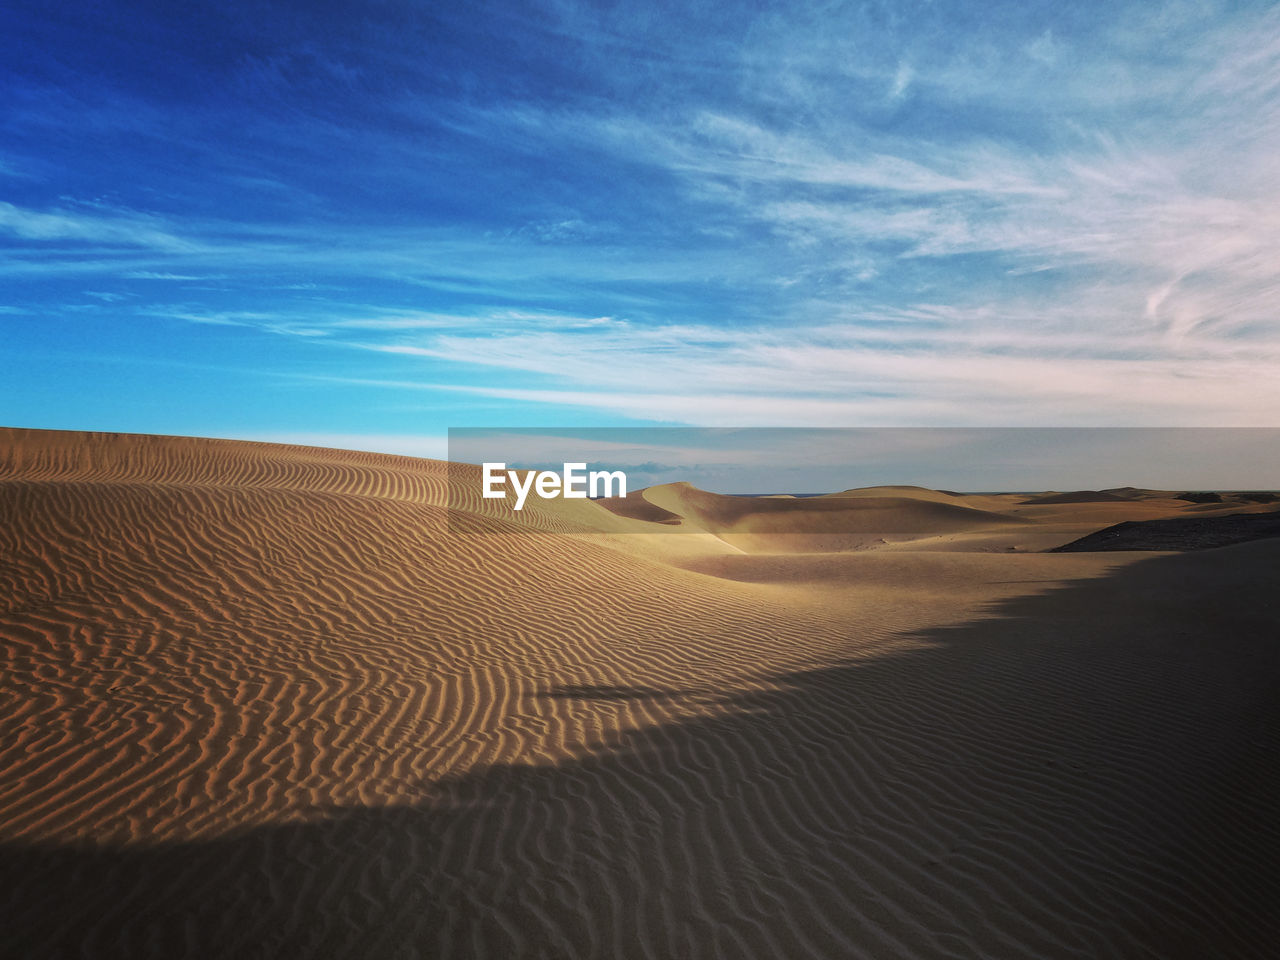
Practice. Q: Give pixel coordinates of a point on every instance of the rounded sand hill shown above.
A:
(269, 701)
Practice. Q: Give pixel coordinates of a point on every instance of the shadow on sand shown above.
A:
(1085, 773)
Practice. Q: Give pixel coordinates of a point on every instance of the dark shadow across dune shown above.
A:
(1178, 533)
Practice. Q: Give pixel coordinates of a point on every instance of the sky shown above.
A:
(360, 224)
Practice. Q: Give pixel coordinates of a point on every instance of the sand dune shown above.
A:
(901, 491)
(638, 507)
(267, 701)
(1078, 496)
(808, 524)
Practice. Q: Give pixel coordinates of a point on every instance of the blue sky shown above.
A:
(359, 224)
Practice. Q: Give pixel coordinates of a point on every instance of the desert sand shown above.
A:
(269, 701)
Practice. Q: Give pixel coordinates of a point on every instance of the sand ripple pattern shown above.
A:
(259, 702)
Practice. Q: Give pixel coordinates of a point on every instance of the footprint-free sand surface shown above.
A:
(263, 701)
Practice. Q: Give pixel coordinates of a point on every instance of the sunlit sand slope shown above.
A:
(821, 524)
(261, 701)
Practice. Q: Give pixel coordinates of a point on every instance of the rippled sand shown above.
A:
(261, 701)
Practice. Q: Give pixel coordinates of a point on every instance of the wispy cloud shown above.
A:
(128, 230)
(160, 275)
(839, 375)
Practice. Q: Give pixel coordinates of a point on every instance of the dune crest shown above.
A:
(267, 701)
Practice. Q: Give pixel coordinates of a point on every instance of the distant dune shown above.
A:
(905, 492)
(807, 524)
(1079, 496)
(264, 701)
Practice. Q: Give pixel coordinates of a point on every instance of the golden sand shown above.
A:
(260, 701)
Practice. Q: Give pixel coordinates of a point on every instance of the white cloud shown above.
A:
(901, 81)
(159, 275)
(489, 321)
(932, 364)
(129, 231)
(1045, 49)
